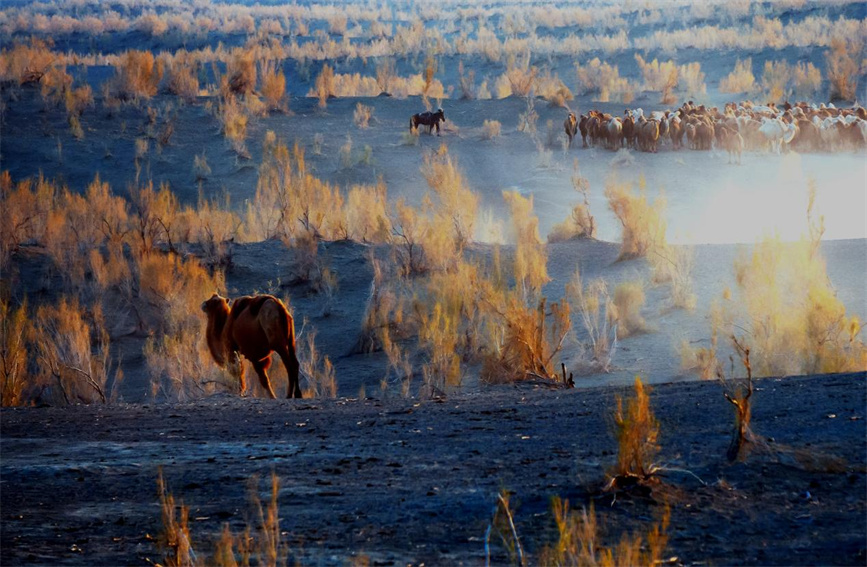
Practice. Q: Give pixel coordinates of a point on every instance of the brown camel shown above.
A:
(254, 327)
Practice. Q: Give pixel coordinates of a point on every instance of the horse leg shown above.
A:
(261, 368)
(438, 127)
(293, 369)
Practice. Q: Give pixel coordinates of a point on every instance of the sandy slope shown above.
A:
(403, 482)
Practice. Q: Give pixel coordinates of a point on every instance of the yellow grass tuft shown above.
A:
(637, 433)
(643, 223)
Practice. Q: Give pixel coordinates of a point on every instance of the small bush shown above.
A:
(579, 544)
(14, 377)
(604, 79)
(628, 301)
(183, 79)
(491, 129)
(776, 77)
(637, 435)
(362, 115)
(137, 75)
(325, 85)
(62, 340)
(596, 312)
(273, 85)
(321, 380)
(842, 67)
(234, 123)
(807, 79)
(740, 80)
(643, 223)
(659, 76)
(581, 223)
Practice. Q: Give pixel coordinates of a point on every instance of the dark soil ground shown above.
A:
(403, 482)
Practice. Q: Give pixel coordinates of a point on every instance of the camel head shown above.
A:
(216, 304)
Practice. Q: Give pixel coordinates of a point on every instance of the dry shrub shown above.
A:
(637, 432)
(78, 223)
(527, 119)
(201, 169)
(467, 83)
(27, 63)
(321, 380)
(581, 223)
(628, 301)
(26, 210)
(691, 80)
(807, 79)
(240, 72)
(175, 536)
(344, 155)
(553, 90)
(523, 333)
(384, 315)
(579, 544)
(643, 223)
(137, 75)
(183, 79)
(795, 321)
(521, 76)
(367, 213)
(491, 129)
(438, 338)
(177, 357)
(596, 312)
(843, 67)
(604, 79)
(740, 80)
(14, 377)
(233, 120)
(324, 86)
(362, 115)
(77, 100)
(71, 346)
(673, 265)
(503, 524)
(273, 85)
(54, 85)
(456, 204)
(659, 77)
(385, 74)
(776, 77)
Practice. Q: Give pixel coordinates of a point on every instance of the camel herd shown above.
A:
(736, 127)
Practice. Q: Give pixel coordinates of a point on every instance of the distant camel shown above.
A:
(429, 119)
(571, 127)
(254, 327)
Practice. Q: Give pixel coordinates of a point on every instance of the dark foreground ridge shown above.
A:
(401, 481)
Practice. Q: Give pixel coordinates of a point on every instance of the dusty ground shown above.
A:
(403, 482)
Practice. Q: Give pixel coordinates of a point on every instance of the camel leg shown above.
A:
(236, 369)
(261, 368)
(293, 370)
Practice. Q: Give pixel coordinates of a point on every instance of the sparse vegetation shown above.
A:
(740, 80)
(643, 223)
(637, 433)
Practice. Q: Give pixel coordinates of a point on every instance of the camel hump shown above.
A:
(251, 304)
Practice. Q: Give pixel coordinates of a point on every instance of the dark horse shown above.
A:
(429, 119)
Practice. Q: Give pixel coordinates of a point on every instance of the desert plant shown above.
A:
(796, 322)
(807, 79)
(659, 77)
(578, 541)
(776, 77)
(385, 74)
(182, 76)
(842, 68)
(175, 537)
(592, 302)
(14, 377)
(321, 381)
(273, 85)
(739, 396)
(643, 223)
(673, 265)
(604, 79)
(491, 129)
(456, 204)
(362, 115)
(740, 80)
(137, 75)
(325, 85)
(234, 120)
(691, 80)
(581, 223)
(628, 300)
(27, 63)
(503, 524)
(637, 433)
(62, 339)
